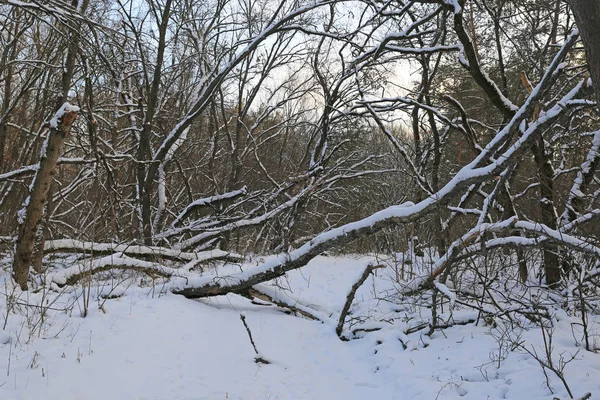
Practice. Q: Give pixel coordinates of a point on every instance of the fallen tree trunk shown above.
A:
(101, 249)
(298, 309)
(73, 274)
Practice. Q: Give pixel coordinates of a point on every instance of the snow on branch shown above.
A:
(219, 74)
(584, 176)
(62, 112)
(51, 7)
(208, 201)
(32, 169)
(74, 273)
(475, 172)
(78, 246)
(350, 298)
(446, 291)
(464, 245)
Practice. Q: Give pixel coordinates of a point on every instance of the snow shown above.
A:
(444, 289)
(152, 345)
(208, 201)
(64, 109)
(115, 260)
(467, 175)
(575, 191)
(138, 250)
(162, 179)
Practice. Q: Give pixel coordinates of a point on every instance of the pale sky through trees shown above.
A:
(355, 192)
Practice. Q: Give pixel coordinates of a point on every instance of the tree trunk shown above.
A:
(587, 17)
(42, 231)
(4, 117)
(40, 190)
(144, 154)
(60, 126)
(549, 216)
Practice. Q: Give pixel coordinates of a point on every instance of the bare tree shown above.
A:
(60, 126)
(221, 126)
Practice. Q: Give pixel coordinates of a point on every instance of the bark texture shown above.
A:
(587, 16)
(34, 208)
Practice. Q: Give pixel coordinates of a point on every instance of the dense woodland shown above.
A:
(167, 133)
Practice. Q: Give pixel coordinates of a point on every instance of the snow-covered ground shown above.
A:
(151, 345)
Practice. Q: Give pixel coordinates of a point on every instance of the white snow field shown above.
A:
(146, 344)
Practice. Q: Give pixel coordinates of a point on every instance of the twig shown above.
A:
(257, 358)
(254, 293)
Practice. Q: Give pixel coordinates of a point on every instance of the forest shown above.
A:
(217, 149)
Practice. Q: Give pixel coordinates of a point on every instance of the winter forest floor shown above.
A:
(145, 344)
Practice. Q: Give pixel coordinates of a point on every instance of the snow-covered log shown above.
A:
(73, 274)
(78, 246)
